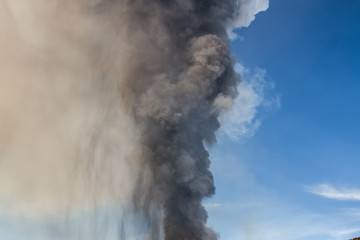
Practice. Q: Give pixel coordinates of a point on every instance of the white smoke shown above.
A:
(255, 94)
(247, 10)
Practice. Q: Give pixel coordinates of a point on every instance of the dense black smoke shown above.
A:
(180, 75)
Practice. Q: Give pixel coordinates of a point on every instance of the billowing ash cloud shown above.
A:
(123, 84)
(181, 69)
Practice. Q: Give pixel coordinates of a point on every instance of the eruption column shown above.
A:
(180, 77)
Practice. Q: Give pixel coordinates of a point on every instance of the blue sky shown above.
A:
(294, 174)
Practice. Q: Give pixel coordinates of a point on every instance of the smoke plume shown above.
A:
(110, 103)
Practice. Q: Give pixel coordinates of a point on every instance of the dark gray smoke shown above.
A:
(180, 72)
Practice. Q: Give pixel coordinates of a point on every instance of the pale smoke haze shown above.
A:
(109, 103)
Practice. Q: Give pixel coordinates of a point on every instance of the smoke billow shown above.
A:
(110, 102)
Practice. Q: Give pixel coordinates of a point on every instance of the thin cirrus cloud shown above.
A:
(340, 193)
(267, 217)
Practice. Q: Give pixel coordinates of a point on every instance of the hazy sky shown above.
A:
(294, 175)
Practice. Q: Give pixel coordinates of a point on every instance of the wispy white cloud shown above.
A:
(340, 193)
(274, 219)
(341, 233)
(246, 11)
(211, 205)
(243, 119)
(263, 214)
(310, 226)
